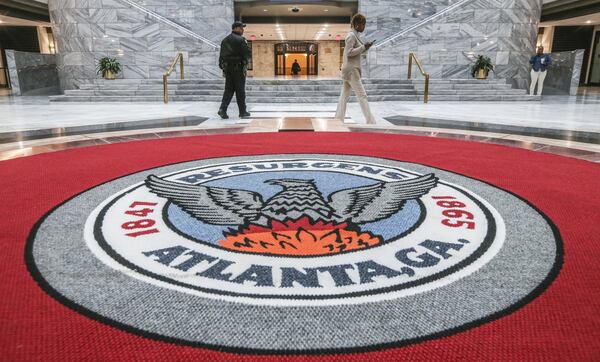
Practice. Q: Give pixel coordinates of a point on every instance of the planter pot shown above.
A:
(481, 74)
(109, 75)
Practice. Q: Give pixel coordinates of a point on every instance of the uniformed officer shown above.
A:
(233, 60)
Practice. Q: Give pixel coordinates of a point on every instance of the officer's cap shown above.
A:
(238, 24)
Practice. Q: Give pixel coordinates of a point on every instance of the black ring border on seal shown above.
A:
(536, 292)
(485, 245)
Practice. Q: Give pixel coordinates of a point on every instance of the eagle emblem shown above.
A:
(297, 220)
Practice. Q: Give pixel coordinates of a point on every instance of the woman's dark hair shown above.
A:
(358, 19)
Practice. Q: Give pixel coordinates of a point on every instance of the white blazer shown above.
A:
(354, 48)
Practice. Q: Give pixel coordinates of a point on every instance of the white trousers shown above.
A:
(352, 82)
(537, 77)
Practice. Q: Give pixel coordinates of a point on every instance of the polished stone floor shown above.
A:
(10, 150)
(558, 124)
(579, 113)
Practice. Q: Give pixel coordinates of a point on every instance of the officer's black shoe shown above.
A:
(223, 114)
(245, 115)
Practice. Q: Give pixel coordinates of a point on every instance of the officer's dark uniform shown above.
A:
(233, 59)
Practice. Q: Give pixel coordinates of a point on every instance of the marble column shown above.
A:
(504, 30)
(87, 30)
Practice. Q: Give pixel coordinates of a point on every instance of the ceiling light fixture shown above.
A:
(588, 22)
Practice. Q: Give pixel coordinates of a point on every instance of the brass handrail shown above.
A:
(412, 56)
(178, 58)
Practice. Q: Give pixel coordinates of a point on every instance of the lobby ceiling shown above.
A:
(298, 12)
(282, 32)
(592, 19)
(11, 21)
(303, 10)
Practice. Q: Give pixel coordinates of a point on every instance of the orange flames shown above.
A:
(299, 237)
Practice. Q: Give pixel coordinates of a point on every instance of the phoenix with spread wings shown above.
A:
(298, 199)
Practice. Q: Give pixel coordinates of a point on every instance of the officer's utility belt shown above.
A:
(232, 65)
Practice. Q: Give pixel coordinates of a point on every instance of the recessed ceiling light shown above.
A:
(326, 10)
(588, 22)
(265, 10)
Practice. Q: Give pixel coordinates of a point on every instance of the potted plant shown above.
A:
(482, 67)
(109, 67)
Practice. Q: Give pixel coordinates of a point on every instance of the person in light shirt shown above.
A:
(351, 72)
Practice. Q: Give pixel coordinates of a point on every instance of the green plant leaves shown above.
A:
(108, 64)
(482, 62)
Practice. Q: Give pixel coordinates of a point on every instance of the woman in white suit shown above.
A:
(351, 70)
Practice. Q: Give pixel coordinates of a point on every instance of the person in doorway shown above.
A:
(351, 72)
(295, 68)
(539, 65)
(233, 60)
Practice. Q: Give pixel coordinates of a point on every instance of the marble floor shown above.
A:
(583, 151)
(562, 114)
(581, 113)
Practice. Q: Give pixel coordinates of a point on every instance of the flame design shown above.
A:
(299, 237)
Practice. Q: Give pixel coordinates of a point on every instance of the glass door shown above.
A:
(286, 53)
(280, 64)
(595, 63)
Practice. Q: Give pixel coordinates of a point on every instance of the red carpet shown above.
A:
(560, 320)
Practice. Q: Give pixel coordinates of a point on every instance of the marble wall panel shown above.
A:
(87, 30)
(564, 72)
(504, 30)
(329, 58)
(32, 73)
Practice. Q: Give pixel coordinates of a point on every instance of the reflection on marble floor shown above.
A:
(588, 91)
(561, 114)
(555, 112)
(584, 151)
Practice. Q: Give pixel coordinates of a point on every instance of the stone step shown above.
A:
(220, 87)
(464, 86)
(474, 92)
(104, 82)
(290, 87)
(131, 93)
(250, 99)
(299, 81)
(482, 98)
(220, 93)
(461, 81)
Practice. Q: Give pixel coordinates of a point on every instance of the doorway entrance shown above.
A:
(305, 53)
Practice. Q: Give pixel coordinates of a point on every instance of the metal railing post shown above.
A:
(412, 56)
(426, 93)
(165, 90)
(181, 64)
(178, 58)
